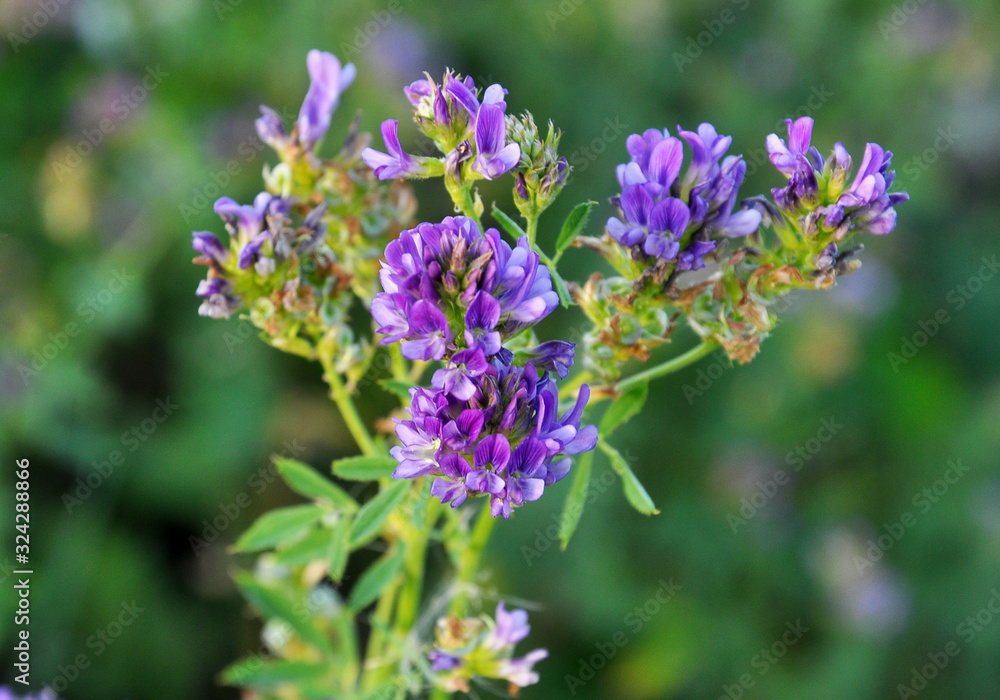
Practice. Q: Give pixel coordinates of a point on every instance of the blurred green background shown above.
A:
(103, 176)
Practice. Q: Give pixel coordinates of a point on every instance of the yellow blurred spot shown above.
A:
(67, 192)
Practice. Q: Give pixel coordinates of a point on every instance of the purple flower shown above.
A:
(464, 93)
(328, 80)
(456, 379)
(430, 326)
(270, 129)
(417, 90)
(481, 320)
(209, 245)
(672, 218)
(494, 156)
(787, 159)
(521, 671)
(397, 163)
(552, 356)
(506, 441)
(510, 629)
(440, 661)
(490, 290)
(246, 220)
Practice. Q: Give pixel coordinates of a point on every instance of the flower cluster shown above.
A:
(814, 217)
(449, 287)
(489, 424)
(673, 218)
(507, 441)
(817, 203)
(471, 133)
(312, 238)
(483, 647)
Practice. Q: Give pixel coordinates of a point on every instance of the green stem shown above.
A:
(661, 370)
(413, 569)
(398, 363)
(471, 558)
(461, 195)
(532, 228)
(380, 621)
(348, 410)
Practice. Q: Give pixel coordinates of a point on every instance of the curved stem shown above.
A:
(348, 410)
(671, 365)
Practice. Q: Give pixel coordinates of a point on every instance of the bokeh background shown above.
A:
(122, 121)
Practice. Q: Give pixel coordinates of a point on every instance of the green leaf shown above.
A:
(365, 468)
(339, 548)
(373, 582)
(372, 516)
(305, 480)
(275, 603)
(635, 492)
(575, 223)
(624, 408)
(279, 526)
(399, 388)
(507, 223)
(310, 548)
(257, 673)
(327, 543)
(576, 498)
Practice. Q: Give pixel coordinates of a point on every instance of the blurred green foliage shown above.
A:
(918, 77)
